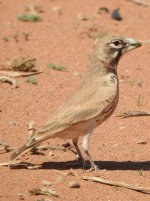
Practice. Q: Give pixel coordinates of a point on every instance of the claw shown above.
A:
(93, 168)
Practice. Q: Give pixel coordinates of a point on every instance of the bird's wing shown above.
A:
(72, 115)
(63, 119)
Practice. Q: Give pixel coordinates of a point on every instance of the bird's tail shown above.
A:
(23, 149)
(34, 141)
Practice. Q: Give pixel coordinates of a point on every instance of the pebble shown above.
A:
(21, 196)
(82, 16)
(46, 183)
(74, 184)
(51, 154)
(77, 74)
(116, 15)
(57, 9)
(142, 142)
(102, 9)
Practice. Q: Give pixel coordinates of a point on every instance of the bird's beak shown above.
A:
(131, 44)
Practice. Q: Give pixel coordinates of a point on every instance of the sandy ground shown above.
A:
(66, 40)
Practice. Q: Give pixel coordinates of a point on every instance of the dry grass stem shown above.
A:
(31, 129)
(141, 2)
(133, 114)
(71, 172)
(38, 191)
(9, 80)
(5, 163)
(19, 74)
(132, 82)
(24, 65)
(5, 147)
(118, 184)
(47, 147)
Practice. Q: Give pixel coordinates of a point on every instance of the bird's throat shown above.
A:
(99, 68)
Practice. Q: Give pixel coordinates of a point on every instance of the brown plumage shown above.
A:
(92, 103)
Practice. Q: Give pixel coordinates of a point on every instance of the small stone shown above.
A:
(71, 172)
(51, 154)
(57, 9)
(78, 63)
(102, 9)
(116, 15)
(82, 16)
(61, 179)
(142, 142)
(21, 196)
(77, 74)
(74, 184)
(122, 128)
(46, 183)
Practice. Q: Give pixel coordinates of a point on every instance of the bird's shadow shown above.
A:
(108, 165)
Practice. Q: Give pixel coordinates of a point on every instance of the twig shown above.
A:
(32, 8)
(17, 164)
(132, 82)
(133, 114)
(71, 172)
(68, 146)
(9, 80)
(5, 163)
(5, 146)
(118, 184)
(36, 150)
(31, 129)
(22, 63)
(38, 191)
(140, 2)
(145, 41)
(3, 67)
(18, 74)
(27, 165)
(34, 167)
(47, 147)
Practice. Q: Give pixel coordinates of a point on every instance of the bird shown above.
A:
(92, 103)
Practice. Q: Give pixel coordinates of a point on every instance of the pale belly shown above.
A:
(77, 130)
(84, 127)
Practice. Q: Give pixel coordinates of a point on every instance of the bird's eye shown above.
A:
(116, 42)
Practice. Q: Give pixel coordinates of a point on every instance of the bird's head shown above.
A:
(109, 49)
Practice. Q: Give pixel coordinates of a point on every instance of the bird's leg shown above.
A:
(80, 156)
(86, 140)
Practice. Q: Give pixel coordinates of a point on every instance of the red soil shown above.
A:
(66, 40)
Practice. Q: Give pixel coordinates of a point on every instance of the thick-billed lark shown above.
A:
(92, 103)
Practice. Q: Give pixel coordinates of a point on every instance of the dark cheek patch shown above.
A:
(122, 51)
(119, 55)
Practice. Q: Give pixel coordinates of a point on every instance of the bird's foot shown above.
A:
(93, 168)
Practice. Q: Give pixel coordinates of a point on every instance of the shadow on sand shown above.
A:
(108, 165)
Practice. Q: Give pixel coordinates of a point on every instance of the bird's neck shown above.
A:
(101, 68)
